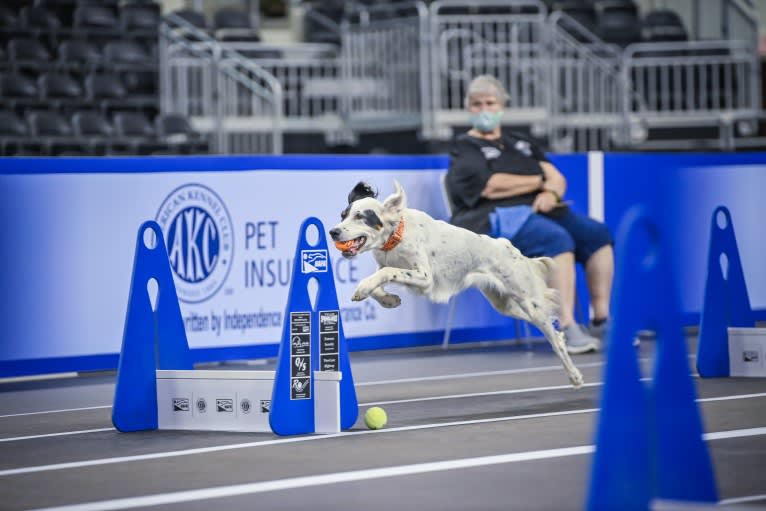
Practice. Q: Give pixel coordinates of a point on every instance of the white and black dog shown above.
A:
(439, 260)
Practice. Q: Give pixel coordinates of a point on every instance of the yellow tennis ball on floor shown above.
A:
(375, 417)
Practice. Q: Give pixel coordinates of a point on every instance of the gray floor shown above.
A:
(473, 427)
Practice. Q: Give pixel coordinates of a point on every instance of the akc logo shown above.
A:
(200, 240)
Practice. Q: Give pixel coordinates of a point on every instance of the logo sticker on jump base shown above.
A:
(313, 261)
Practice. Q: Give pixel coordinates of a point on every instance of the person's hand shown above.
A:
(544, 202)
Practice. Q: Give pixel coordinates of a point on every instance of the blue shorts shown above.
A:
(571, 232)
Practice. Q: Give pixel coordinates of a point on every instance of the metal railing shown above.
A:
(408, 68)
(383, 58)
(227, 97)
(586, 110)
(503, 38)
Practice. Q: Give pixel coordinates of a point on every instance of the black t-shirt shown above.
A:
(473, 161)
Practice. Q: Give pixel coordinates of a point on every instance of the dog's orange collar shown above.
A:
(395, 238)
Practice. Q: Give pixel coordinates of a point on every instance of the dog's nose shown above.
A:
(334, 233)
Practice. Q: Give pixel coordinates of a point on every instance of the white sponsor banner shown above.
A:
(231, 238)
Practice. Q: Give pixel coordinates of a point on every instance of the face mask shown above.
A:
(486, 121)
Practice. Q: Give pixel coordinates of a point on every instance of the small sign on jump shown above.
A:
(328, 341)
(300, 355)
(314, 261)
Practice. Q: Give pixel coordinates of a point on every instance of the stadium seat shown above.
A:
(7, 17)
(133, 124)
(126, 54)
(192, 17)
(47, 123)
(13, 133)
(581, 11)
(28, 53)
(94, 129)
(176, 131)
(17, 90)
(234, 25)
(98, 18)
(137, 133)
(58, 86)
(663, 25)
(106, 89)
(52, 131)
(140, 18)
(91, 124)
(35, 18)
(618, 22)
(78, 54)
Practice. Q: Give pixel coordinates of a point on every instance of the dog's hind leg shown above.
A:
(556, 339)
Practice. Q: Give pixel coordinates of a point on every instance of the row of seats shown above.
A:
(76, 53)
(90, 132)
(620, 22)
(615, 21)
(64, 91)
(137, 19)
(81, 77)
(228, 24)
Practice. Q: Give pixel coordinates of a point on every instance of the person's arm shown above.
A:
(502, 185)
(552, 190)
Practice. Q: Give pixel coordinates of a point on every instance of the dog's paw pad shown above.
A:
(390, 301)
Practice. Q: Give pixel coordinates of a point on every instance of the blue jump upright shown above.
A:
(154, 337)
(726, 301)
(649, 441)
(312, 340)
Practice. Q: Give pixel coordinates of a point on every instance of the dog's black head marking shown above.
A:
(360, 191)
(372, 219)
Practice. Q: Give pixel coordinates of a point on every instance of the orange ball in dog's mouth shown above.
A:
(350, 247)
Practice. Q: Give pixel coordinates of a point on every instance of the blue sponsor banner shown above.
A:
(230, 225)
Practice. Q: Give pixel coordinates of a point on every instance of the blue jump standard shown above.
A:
(649, 441)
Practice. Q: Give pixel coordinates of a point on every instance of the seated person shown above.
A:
(503, 185)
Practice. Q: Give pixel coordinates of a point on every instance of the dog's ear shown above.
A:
(397, 201)
(360, 191)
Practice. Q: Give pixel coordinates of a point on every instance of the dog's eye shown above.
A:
(359, 216)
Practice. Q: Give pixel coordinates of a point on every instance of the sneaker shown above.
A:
(599, 331)
(578, 341)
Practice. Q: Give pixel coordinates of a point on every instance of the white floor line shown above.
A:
(63, 433)
(56, 411)
(263, 443)
(476, 375)
(350, 476)
(739, 500)
(370, 383)
(39, 377)
(248, 445)
(413, 400)
(479, 394)
(384, 382)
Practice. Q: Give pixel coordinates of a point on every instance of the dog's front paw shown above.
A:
(390, 301)
(363, 290)
(360, 294)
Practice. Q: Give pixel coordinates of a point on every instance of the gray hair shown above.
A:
(485, 84)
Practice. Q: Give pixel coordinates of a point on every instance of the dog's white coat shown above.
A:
(439, 260)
